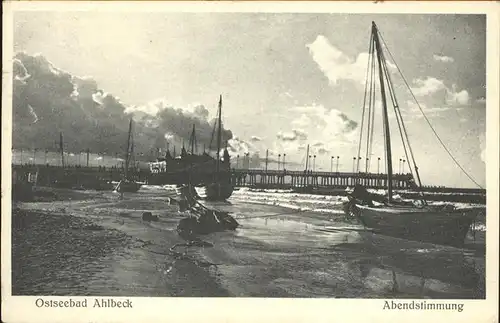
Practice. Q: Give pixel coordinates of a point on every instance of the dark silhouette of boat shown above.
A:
(127, 184)
(22, 186)
(439, 224)
(220, 188)
(209, 174)
(201, 220)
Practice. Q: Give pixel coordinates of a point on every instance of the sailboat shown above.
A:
(220, 188)
(63, 180)
(443, 225)
(127, 184)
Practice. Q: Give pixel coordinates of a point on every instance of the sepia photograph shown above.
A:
(251, 154)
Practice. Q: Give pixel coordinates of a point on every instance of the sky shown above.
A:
(287, 80)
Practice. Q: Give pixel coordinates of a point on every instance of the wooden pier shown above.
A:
(289, 179)
(240, 177)
(47, 175)
(43, 175)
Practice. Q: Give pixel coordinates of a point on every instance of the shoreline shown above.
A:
(66, 251)
(93, 243)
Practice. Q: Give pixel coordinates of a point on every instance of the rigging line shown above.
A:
(303, 161)
(412, 155)
(390, 87)
(370, 109)
(364, 106)
(397, 112)
(212, 135)
(373, 112)
(374, 98)
(385, 139)
(399, 119)
(373, 130)
(369, 130)
(427, 120)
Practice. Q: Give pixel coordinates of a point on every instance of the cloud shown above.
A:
(179, 122)
(243, 150)
(199, 111)
(338, 66)
(325, 129)
(85, 88)
(427, 86)
(151, 108)
(245, 153)
(237, 146)
(431, 86)
(295, 134)
(481, 100)
(46, 96)
(285, 95)
(169, 136)
(323, 151)
(47, 101)
(335, 64)
(255, 138)
(444, 59)
(19, 71)
(413, 110)
(331, 122)
(482, 146)
(33, 114)
(319, 148)
(457, 98)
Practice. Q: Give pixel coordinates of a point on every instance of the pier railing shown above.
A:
(289, 179)
(258, 178)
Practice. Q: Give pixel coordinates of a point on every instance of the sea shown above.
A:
(302, 245)
(287, 245)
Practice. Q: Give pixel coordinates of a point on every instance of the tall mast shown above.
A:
(128, 149)
(61, 148)
(385, 116)
(267, 158)
(132, 153)
(219, 127)
(193, 139)
(307, 157)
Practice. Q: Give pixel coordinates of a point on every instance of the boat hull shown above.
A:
(433, 225)
(127, 187)
(216, 191)
(22, 191)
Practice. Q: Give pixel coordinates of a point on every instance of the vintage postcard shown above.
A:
(250, 161)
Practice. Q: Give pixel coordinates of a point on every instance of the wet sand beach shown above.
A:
(93, 243)
(99, 245)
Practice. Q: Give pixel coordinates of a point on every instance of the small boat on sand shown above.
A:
(438, 224)
(443, 224)
(200, 219)
(127, 184)
(220, 188)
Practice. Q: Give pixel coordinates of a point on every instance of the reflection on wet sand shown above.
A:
(276, 252)
(311, 247)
